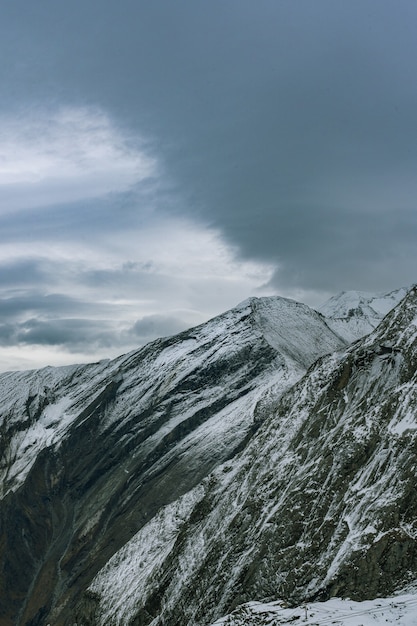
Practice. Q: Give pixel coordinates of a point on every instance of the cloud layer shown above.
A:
(161, 161)
(51, 157)
(91, 298)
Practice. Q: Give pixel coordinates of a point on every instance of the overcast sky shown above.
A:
(161, 161)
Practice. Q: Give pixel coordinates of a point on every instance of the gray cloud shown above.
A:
(7, 334)
(288, 128)
(14, 305)
(153, 326)
(278, 123)
(126, 276)
(71, 333)
(21, 273)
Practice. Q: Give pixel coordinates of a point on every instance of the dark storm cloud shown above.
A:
(16, 304)
(370, 251)
(291, 128)
(71, 334)
(152, 326)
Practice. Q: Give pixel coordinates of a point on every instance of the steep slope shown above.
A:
(90, 454)
(320, 503)
(354, 314)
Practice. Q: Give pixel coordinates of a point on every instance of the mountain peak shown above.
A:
(354, 314)
(361, 304)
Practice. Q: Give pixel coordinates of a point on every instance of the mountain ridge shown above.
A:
(269, 548)
(90, 453)
(128, 465)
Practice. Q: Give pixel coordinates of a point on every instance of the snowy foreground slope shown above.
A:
(90, 455)
(399, 610)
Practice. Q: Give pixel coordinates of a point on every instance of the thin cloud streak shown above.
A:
(53, 157)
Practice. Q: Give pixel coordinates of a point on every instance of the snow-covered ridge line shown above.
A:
(360, 303)
(43, 404)
(354, 314)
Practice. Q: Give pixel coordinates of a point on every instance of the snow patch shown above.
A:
(399, 610)
(124, 583)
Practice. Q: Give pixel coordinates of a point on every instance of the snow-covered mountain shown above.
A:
(321, 502)
(90, 454)
(353, 314)
(255, 457)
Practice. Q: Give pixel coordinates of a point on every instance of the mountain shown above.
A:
(353, 314)
(320, 503)
(91, 455)
(255, 457)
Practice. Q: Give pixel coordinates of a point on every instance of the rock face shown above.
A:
(321, 502)
(93, 457)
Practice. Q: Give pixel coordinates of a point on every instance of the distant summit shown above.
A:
(353, 314)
